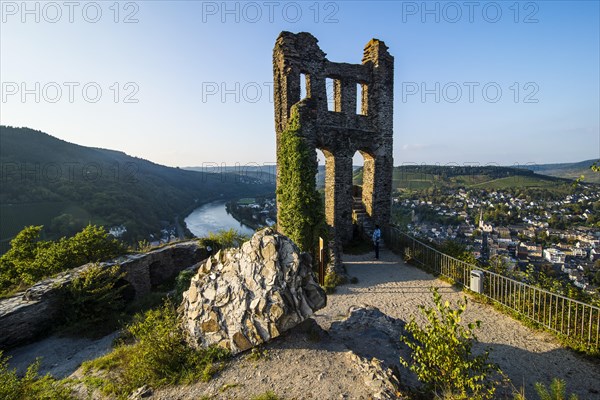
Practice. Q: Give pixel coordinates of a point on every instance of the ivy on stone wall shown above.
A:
(300, 215)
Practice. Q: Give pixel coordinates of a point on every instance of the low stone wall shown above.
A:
(31, 314)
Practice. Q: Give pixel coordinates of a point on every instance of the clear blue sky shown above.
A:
(177, 53)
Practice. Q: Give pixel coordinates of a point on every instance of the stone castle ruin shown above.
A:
(342, 131)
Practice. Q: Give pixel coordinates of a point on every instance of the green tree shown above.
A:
(458, 251)
(597, 278)
(30, 259)
(93, 244)
(16, 263)
(499, 265)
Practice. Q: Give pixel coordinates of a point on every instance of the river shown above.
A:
(213, 217)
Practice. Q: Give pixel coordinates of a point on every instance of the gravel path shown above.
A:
(525, 355)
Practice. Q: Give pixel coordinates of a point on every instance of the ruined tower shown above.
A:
(348, 128)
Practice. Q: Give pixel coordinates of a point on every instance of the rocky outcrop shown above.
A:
(243, 297)
(32, 314)
(373, 339)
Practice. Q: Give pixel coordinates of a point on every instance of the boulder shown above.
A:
(243, 297)
(370, 333)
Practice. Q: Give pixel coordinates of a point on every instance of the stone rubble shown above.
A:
(382, 381)
(243, 297)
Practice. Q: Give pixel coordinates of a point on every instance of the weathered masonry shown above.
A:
(31, 314)
(360, 118)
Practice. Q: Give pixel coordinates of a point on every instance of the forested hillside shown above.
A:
(568, 170)
(487, 177)
(64, 186)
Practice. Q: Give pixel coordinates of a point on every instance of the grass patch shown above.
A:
(157, 357)
(228, 386)
(32, 385)
(223, 239)
(267, 396)
(257, 354)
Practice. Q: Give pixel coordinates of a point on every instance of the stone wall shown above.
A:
(341, 132)
(31, 314)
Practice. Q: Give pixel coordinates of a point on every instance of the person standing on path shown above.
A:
(376, 238)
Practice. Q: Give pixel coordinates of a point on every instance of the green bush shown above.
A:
(557, 391)
(441, 354)
(30, 259)
(224, 239)
(332, 280)
(93, 300)
(458, 251)
(30, 386)
(158, 356)
(182, 283)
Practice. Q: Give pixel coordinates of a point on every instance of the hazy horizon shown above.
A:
(320, 157)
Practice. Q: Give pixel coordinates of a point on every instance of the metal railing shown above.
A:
(572, 318)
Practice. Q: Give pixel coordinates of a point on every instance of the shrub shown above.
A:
(332, 280)
(557, 391)
(224, 239)
(158, 357)
(15, 264)
(30, 259)
(92, 299)
(441, 354)
(93, 244)
(30, 386)
(458, 251)
(182, 283)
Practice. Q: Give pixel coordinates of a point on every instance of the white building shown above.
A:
(117, 231)
(554, 256)
(577, 252)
